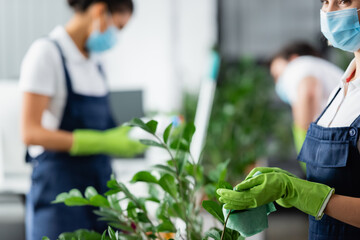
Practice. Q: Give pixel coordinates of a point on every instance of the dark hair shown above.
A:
(296, 48)
(113, 5)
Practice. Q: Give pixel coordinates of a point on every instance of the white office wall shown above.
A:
(165, 49)
(197, 36)
(21, 22)
(260, 27)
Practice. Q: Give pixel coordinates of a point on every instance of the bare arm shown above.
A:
(308, 102)
(345, 209)
(33, 133)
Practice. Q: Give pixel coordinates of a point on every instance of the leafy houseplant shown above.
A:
(173, 187)
(247, 122)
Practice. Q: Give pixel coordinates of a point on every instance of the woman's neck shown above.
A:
(78, 30)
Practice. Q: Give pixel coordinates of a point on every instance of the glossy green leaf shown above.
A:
(103, 236)
(152, 125)
(112, 184)
(143, 217)
(81, 234)
(144, 176)
(45, 238)
(162, 212)
(181, 160)
(166, 226)
(76, 201)
(99, 201)
(152, 199)
(111, 233)
(177, 210)
(153, 191)
(165, 169)
(122, 227)
(151, 143)
(136, 122)
(223, 184)
(214, 234)
(210, 190)
(131, 210)
(90, 192)
(141, 203)
(167, 133)
(152, 236)
(112, 192)
(61, 197)
(167, 182)
(197, 172)
(180, 144)
(189, 132)
(214, 209)
(127, 193)
(75, 193)
(106, 212)
(108, 219)
(126, 236)
(114, 202)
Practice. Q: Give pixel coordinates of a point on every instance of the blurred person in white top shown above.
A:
(303, 80)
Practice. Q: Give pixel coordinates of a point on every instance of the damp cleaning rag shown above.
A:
(251, 221)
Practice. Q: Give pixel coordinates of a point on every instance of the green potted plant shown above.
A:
(174, 187)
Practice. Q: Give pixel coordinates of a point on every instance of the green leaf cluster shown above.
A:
(173, 187)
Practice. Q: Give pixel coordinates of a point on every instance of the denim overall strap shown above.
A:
(57, 172)
(66, 72)
(326, 108)
(332, 158)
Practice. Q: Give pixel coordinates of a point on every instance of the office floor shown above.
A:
(287, 224)
(12, 212)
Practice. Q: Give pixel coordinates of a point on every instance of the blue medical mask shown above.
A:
(342, 28)
(280, 90)
(100, 42)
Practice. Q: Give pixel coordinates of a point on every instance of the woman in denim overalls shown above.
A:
(73, 151)
(331, 194)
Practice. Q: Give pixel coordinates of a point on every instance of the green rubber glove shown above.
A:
(267, 170)
(271, 186)
(115, 142)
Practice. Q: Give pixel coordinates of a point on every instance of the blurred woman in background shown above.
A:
(66, 119)
(304, 81)
(331, 149)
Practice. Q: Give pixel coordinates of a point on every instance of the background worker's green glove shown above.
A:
(299, 138)
(308, 197)
(115, 142)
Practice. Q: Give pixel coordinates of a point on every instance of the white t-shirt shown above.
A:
(309, 66)
(42, 73)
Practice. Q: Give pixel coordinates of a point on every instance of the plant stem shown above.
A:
(227, 218)
(195, 168)
(180, 185)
